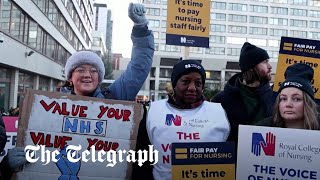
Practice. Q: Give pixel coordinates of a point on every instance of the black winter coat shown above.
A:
(235, 108)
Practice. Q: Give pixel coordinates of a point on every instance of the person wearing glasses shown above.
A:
(85, 70)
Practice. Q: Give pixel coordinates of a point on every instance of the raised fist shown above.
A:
(136, 12)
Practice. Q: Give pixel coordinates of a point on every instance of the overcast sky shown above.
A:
(122, 26)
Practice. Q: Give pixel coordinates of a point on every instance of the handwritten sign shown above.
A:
(296, 50)
(11, 124)
(188, 23)
(57, 121)
(266, 153)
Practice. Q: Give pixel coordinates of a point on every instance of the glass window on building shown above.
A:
(314, 13)
(237, 7)
(314, 24)
(163, 24)
(278, 21)
(156, 46)
(298, 12)
(233, 51)
(274, 54)
(258, 20)
(237, 29)
(156, 34)
(258, 31)
(218, 16)
(299, 2)
(25, 82)
(314, 3)
(258, 9)
(5, 15)
(32, 38)
(164, 2)
(171, 48)
(162, 84)
(298, 34)
(15, 24)
(298, 23)
(164, 12)
(278, 32)
(217, 28)
(165, 72)
(215, 50)
(279, 10)
(279, 1)
(96, 41)
(258, 42)
(260, 0)
(5, 81)
(197, 50)
(213, 75)
(44, 83)
(163, 35)
(217, 39)
(236, 40)
(237, 18)
(218, 5)
(274, 43)
(314, 35)
(153, 11)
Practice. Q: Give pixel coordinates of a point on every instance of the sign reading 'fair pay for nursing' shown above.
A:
(296, 50)
(188, 23)
(212, 160)
(57, 122)
(266, 153)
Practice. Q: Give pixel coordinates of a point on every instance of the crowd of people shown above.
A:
(247, 98)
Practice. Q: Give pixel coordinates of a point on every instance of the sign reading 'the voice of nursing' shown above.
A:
(212, 160)
(296, 50)
(266, 153)
(188, 23)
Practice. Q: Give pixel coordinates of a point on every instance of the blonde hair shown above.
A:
(310, 113)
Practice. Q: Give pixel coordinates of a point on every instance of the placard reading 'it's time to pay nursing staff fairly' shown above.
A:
(203, 161)
(296, 50)
(266, 153)
(188, 23)
(57, 121)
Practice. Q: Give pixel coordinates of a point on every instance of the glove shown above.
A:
(136, 13)
(16, 157)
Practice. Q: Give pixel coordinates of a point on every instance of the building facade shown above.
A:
(232, 22)
(37, 38)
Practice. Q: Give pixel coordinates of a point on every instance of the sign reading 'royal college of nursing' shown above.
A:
(296, 50)
(188, 23)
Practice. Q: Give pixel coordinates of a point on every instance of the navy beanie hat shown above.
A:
(299, 76)
(184, 67)
(250, 56)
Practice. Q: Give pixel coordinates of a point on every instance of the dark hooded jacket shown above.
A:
(232, 102)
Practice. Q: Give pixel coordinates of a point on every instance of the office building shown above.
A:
(232, 22)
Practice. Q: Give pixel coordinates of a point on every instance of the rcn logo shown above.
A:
(183, 40)
(175, 120)
(267, 145)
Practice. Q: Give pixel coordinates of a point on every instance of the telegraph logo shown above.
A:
(268, 145)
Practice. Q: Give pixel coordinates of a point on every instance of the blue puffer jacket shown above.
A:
(127, 86)
(235, 108)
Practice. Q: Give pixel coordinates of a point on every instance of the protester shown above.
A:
(85, 71)
(184, 117)
(247, 97)
(295, 106)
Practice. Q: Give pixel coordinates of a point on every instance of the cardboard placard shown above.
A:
(11, 124)
(188, 23)
(212, 160)
(296, 50)
(266, 153)
(56, 120)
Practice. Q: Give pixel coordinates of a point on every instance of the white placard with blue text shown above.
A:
(266, 153)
